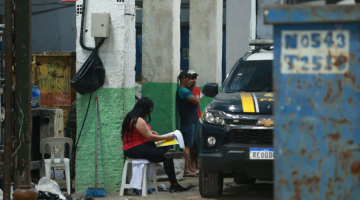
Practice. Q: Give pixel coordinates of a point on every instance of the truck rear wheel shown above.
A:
(210, 183)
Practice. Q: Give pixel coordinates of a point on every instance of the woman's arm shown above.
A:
(148, 134)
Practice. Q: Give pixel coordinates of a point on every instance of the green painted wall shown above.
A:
(114, 104)
(163, 117)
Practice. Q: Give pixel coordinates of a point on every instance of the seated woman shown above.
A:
(139, 141)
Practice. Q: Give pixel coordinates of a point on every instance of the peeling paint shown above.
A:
(319, 143)
(56, 91)
(355, 168)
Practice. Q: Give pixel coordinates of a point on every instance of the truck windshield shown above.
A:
(251, 76)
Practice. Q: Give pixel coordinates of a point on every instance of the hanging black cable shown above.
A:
(82, 27)
(86, 74)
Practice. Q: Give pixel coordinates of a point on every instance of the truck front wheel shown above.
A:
(210, 183)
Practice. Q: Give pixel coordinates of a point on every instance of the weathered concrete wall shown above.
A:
(161, 40)
(240, 28)
(161, 60)
(184, 14)
(206, 40)
(264, 31)
(116, 97)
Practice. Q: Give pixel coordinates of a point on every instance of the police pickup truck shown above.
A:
(235, 132)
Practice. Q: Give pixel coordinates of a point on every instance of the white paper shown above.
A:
(178, 138)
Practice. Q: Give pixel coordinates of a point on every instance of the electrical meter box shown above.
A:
(100, 24)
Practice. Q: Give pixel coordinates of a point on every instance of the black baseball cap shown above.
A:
(184, 74)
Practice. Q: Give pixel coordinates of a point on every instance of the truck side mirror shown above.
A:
(211, 89)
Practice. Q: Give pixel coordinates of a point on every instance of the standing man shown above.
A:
(187, 104)
(197, 93)
(195, 90)
(194, 160)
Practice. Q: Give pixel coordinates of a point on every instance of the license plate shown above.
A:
(261, 154)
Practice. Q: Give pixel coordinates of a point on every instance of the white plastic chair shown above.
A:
(57, 157)
(145, 185)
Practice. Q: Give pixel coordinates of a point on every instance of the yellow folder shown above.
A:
(163, 143)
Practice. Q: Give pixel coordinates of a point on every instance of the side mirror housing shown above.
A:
(211, 89)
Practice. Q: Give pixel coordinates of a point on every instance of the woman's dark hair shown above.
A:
(141, 109)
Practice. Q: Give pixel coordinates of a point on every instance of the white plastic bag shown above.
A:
(46, 184)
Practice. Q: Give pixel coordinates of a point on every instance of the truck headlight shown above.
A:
(213, 117)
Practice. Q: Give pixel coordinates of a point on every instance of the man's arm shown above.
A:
(187, 94)
(194, 101)
(197, 92)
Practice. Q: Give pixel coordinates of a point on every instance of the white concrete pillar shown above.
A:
(205, 44)
(266, 31)
(240, 28)
(116, 97)
(161, 60)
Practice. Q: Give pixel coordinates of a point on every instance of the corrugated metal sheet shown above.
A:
(53, 77)
(317, 99)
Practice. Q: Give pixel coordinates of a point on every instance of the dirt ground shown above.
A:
(258, 191)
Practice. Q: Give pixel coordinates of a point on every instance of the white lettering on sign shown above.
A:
(315, 52)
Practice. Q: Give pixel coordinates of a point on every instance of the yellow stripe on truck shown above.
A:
(247, 102)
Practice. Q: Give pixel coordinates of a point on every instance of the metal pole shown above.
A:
(23, 72)
(8, 99)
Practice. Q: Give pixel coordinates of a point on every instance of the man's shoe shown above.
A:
(174, 154)
(177, 188)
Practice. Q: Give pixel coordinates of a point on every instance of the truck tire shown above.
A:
(241, 178)
(210, 183)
